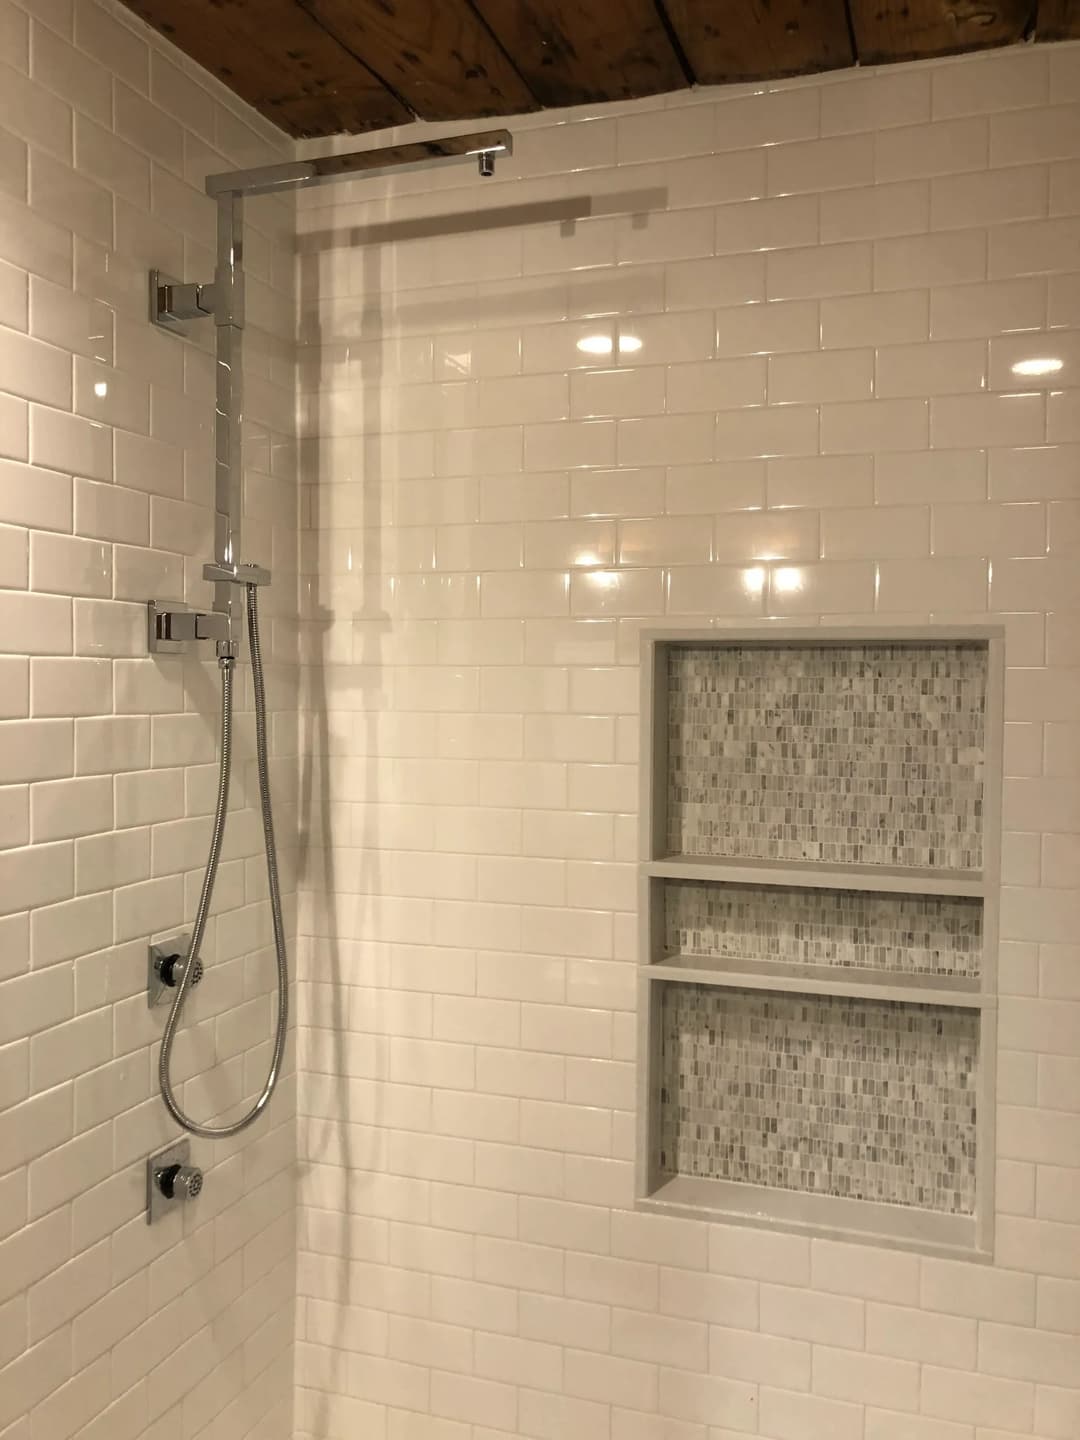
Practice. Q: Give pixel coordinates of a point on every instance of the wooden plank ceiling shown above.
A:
(322, 67)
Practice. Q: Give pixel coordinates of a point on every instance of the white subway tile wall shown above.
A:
(730, 359)
(109, 1329)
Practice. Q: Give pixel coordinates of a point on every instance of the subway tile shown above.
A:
(1064, 188)
(34, 243)
(761, 1358)
(68, 565)
(721, 280)
(1031, 473)
(674, 540)
(787, 1413)
(70, 321)
(14, 297)
(764, 432)
(70, 199)
(833, 587)
(996, 83)
(1036, 247)
(809, 379)
(762, 224)
(1063, 415)
(46, 617)
(663, 135)
(567, 446)
(666, 236)
(580, 245)
(988, 198)
(819, 165)
(715, 385)
(978, 1399)
(823, 481)
(943, 147)
(886, 532)
(666, 440)
(989, 529)
(671, 339)
(920, 585)
(33, 370)
(762, 329)
(824, 1319)
(874, 425)
(611, 393)
(927, 260)
(847, 1270)
(40, 117)
(864, 1378)
(937, 368)
(957, 422)
(874, 319)
(1048, 132)
(70, 443)
(553, 544)
(697, 489)
(911, 1334)
(821, 271)
(902, 208)
(997, 308)
(791, 534)
(878, 102)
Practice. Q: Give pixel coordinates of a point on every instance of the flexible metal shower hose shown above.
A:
(218, 1132)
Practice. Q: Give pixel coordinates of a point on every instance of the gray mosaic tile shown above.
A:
(862, 1099)
(908, 934)
(855, 755)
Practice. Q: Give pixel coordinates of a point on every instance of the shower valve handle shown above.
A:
(179, 1182)
(172, 970)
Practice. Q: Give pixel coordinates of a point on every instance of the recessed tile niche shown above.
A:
(820, 820)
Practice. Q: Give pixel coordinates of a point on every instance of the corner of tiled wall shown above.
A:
(109, 1329)
(730, 358)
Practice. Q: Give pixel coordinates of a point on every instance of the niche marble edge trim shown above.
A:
(869, 1222)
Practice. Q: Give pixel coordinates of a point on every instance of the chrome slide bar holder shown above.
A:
(173, 303)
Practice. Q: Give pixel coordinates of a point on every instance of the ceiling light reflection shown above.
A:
(787, 579)
(605, 344)
(753, 580)
(1039, 365)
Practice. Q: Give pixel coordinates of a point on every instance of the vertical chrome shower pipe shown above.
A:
(229, 417)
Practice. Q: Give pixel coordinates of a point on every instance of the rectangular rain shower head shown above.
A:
(483, 146)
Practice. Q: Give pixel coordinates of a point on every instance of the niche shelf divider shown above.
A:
(799, 974)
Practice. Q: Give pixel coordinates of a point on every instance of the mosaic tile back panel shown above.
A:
(862, 1099)
(911, 934)
(855, 754)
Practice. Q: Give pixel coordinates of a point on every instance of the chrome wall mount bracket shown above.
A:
(172, 302)
(222, 574)
(165, 964)
(170, 1180)
(173, 627)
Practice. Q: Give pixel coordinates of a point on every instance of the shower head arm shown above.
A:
(482, 146)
